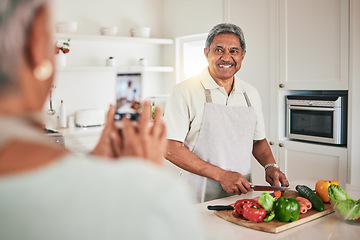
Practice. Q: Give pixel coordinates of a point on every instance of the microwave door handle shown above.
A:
(312, 108)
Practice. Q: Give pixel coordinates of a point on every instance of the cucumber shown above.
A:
(307, 193)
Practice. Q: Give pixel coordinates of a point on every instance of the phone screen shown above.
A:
(128, 95)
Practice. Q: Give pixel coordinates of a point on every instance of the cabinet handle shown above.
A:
(271, 143)
(281, 85)
(281, 144)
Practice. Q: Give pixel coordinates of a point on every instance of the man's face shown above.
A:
(224, 56)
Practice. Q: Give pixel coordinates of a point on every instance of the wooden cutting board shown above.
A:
(275, 226)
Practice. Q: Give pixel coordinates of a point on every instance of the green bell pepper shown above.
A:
(286, 209)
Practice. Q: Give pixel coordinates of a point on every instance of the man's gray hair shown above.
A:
(224, 28)
(15, 19)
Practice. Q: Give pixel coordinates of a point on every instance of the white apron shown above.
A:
(225, 140)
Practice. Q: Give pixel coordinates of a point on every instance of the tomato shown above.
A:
(321, 189)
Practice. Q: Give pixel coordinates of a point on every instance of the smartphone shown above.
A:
(128, 95)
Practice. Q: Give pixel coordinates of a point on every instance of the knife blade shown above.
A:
(268, 188)
(220, 207)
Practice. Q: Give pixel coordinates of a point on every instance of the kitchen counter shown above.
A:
(81, 140)
(327, 227)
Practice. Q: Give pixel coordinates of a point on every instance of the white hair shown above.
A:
(224, 28)
(15, 19)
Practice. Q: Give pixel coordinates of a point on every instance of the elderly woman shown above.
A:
(48, 193)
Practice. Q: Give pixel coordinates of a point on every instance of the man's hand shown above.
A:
(275, 177)
(234, 182)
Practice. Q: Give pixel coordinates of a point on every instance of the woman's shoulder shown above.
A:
(20, 155)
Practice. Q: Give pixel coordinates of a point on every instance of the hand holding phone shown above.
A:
(144, 139)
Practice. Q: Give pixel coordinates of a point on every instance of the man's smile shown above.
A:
(225, 65)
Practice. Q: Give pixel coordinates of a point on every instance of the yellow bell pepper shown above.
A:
(321, 189)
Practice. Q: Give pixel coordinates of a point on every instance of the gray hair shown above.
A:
(15, 19)
(224, 28)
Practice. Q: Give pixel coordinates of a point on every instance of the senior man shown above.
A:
(215, 123)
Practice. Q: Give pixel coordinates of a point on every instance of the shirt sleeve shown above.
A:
(176, 116)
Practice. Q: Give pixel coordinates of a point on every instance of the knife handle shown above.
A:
(220, 207)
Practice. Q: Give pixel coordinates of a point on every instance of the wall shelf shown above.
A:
(115, 68)
(103, 38)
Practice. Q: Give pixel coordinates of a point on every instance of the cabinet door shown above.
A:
(314, 44)
(303, 161)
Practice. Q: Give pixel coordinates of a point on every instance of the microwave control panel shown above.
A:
(313, 101)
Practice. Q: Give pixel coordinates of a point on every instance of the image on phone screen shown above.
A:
(128, 95)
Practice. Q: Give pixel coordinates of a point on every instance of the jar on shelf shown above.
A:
(143, 62)
(110, 61)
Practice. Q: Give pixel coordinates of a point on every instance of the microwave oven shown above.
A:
(320, 119)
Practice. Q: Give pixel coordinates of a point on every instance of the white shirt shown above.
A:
(184, 110)
(82, 198)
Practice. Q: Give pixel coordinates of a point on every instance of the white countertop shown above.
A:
(81, 140)
(80, 131)
(327, 227)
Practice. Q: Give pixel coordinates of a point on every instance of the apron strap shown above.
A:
(208, 95)
(209, 99)
(247, 99)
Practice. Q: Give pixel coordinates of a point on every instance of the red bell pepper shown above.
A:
(238, 206)
(253, 213)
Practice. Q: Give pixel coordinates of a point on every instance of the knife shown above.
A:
(268, 188)
(220, 207)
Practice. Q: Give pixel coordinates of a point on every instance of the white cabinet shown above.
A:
(313, 42)
(308, 50)
(311, 50)
(300, 160)
(354, 97)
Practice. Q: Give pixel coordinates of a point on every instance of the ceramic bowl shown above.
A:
(343, 216)
(66, 27)
(143, 32)
(109, 31)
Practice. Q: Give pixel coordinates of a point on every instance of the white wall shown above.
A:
(91, 15)
(188, 17)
